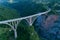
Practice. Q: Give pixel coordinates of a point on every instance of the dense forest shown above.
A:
(24, 31)
(45, 27)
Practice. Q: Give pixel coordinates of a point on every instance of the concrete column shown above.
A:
(31, 20)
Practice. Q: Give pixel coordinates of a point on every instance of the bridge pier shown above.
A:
(31, 20)
(13, 25)
(15, 33)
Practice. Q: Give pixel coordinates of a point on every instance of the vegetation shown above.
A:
(7, 13)
(24, 32)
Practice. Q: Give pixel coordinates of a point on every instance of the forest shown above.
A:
(45, 27)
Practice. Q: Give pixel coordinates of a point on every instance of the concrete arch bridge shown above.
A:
(13, 23)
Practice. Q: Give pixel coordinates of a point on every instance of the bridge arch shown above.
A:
(14, 26)
(13, 23)
(31, 20)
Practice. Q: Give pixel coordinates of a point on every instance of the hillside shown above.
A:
(7, 13)
(24, 32)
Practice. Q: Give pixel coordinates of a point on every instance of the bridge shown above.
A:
(13, 23)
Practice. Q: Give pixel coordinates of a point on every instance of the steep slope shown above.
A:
(24, 32)
(7, 13)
